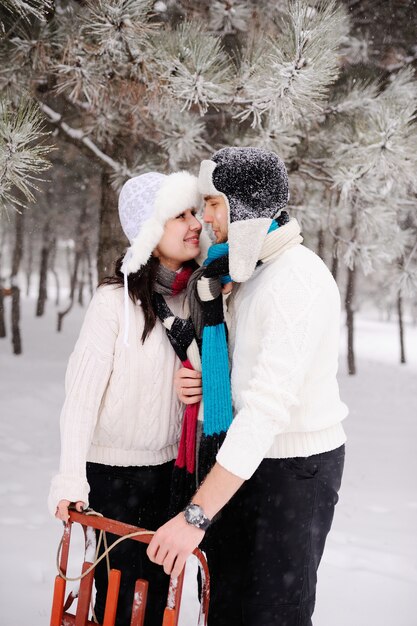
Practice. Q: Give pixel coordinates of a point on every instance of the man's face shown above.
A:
(216, 214)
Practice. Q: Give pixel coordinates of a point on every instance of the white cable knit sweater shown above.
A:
(120, 406)
(284, 343)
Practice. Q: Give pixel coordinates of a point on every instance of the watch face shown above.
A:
(193, 514)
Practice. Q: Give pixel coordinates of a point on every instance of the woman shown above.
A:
(121, 418)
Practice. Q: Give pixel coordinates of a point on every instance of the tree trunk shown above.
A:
(2, 317)
(63, 313)
(52, 259)
(89, 270)
(335, 259)
(15, 322)
(335, 266)
(350, 294)
(401, 328)
(2, 320)
(112, 242)
(320, 243)
(43, 271)
(77, 258)
(57, 286)
(29, 264)
(81, 282)
(16, 261)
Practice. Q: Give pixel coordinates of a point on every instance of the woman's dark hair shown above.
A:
(141, 287)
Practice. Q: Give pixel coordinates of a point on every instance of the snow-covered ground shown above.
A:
(368, 576)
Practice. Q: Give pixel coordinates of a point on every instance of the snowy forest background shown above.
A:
(93, 92)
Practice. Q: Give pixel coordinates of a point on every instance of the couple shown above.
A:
(272, 475)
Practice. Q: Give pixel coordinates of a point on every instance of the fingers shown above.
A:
(62, 511)
(187, 378)
(161, 556)
(152, 549)
(188, 385)
(195, 390)
(190, 396)
(168, 563)
(191, 400)
(185, 372)
(171, 562)
(178, 566)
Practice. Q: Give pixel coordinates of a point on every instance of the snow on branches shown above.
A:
(22, 155)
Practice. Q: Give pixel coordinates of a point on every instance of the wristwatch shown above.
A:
(195, 516)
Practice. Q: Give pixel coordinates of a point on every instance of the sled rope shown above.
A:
(105, 554)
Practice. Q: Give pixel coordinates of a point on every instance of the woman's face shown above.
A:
(180, 241)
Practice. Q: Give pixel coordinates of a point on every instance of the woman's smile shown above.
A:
(193, 239)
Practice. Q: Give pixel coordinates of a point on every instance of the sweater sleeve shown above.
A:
(89, 369)
(292, 321)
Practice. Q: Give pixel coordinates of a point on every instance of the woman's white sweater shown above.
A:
(120, 407)
(284, 341)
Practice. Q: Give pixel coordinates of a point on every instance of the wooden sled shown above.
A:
(60, 615)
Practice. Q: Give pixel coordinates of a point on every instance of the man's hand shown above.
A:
(173, 543)
(188, 385)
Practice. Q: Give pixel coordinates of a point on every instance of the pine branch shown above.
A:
(22, 155)
(320, 179)
(294, 72)
(193, 66)
(227, 17)
(79, 138)
(36, 8)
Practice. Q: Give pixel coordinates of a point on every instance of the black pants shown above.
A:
(265, 548)
(139, 496)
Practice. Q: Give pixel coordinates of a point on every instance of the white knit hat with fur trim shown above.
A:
(146, 202)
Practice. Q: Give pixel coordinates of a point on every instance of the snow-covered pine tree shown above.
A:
(371, 157)
(137, 84)
(22, 159)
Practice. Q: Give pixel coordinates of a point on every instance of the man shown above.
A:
(279, 469)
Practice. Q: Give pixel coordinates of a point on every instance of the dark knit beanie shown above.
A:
(254, 183)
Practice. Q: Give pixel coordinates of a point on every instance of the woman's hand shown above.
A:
(188, 385)
(62, 509)
(227, 288)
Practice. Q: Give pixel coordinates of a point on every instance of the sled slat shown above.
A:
(58, 601)
(170, 617)
(139, 603)
(84, 596)
(111, 598)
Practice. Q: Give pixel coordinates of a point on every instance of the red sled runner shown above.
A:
(90, 522)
